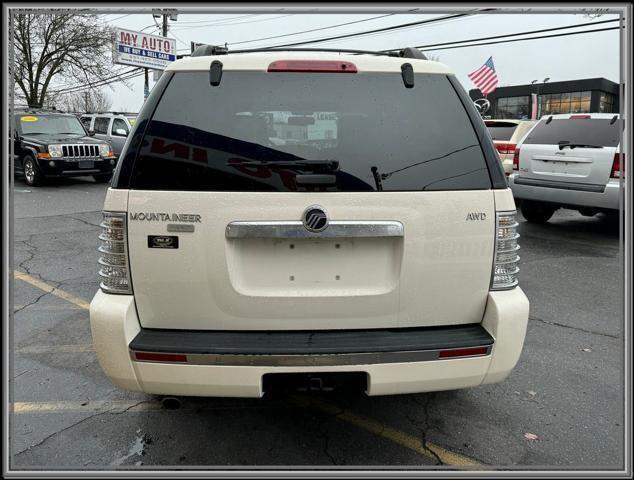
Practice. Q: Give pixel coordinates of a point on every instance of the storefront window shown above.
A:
(569, 102)
(606, 104)
(512, 107)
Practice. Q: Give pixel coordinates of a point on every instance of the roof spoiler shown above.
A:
(411, 52)
(207, 50)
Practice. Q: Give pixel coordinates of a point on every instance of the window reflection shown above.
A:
(570, 102)
(512, 107)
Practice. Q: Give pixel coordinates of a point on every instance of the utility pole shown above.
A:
(164, 28)
(146, 86)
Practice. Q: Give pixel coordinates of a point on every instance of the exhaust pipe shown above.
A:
(171, 403)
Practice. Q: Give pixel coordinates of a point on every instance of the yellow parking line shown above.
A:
(25, 277)
(426, 449)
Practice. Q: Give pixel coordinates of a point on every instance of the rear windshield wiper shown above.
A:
(332, 165)
(565, 143)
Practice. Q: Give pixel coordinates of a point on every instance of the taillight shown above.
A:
(505, 148)
(578, 117)
(616, 166)
(319, 66)
(516, 159)
(506, 263)
(114, 271)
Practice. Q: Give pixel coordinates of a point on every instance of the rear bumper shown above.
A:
(608, 199)
(115, 327)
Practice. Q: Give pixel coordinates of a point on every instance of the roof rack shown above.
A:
(208, 50)
(37, 108)
(112, 112)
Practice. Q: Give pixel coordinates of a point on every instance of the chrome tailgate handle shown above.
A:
(296, 229)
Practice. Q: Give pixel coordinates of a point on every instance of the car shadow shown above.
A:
(58, 182)
(573, 225)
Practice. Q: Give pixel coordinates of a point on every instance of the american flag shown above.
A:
(485, 77)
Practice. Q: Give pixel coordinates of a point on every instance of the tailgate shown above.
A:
(434, 269)
(580, 165)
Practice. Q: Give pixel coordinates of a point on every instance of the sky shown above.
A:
(561, 58)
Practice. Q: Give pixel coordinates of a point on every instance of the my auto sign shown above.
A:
(142, 50)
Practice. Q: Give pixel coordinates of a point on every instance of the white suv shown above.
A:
(506, 134)
(312, 215)
(571, 161)
(113, 127)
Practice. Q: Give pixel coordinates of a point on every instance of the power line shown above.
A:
(509, 35)
(70, 87)
(100, 83)
(119, 18)
(312, 30)
(524, 39)
(444, 22)
(384, 29)
(178, 39)
(235, 23)
(129, 77)
(220, 20)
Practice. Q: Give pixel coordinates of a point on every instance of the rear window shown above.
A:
(590, 131)
(501, 130)
(383, 136)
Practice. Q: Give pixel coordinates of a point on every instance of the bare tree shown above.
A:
(89, 100)
(75, 48)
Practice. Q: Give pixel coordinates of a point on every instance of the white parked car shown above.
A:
(320, 216)
(506, 134)
(570, 161)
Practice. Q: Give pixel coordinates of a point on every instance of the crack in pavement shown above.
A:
(48, 437)
(423, 429)
(593, 332)
(300, 400)
(30, 304)
(31, 251)
(82, 221)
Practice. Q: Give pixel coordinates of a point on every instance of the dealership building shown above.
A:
(573, 96)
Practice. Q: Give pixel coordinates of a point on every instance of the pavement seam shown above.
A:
(58, 215)
(592, 332)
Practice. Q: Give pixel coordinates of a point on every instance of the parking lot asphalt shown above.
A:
(567, 389)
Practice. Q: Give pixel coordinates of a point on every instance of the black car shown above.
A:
(55, 144)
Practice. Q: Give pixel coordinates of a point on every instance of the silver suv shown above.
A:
(571, 161)
(113, 127)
